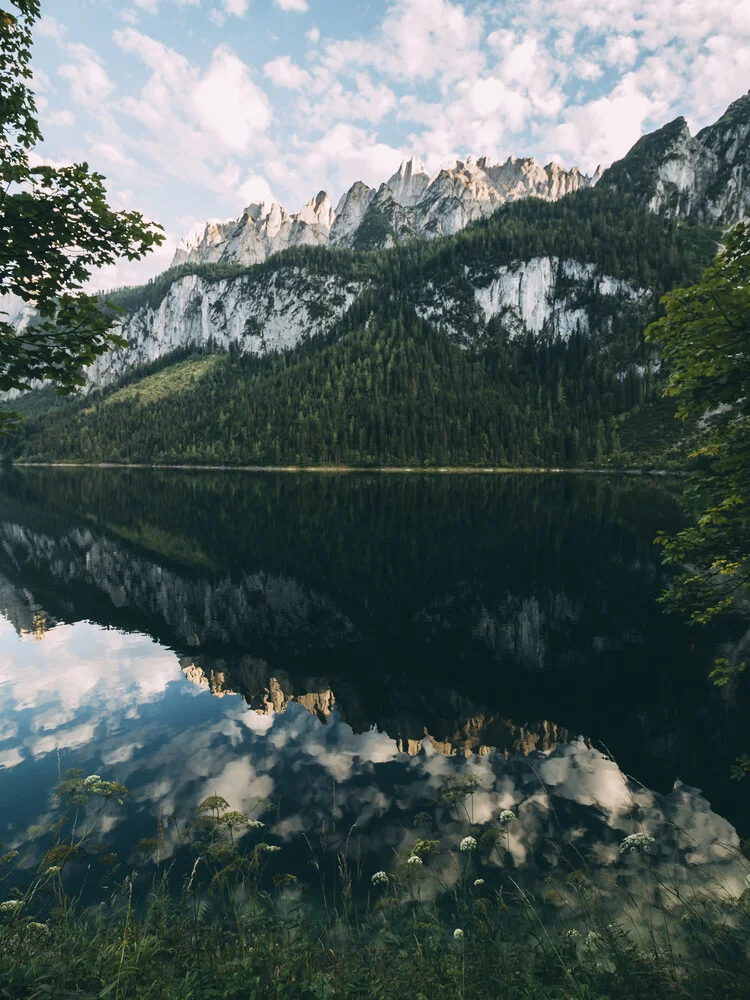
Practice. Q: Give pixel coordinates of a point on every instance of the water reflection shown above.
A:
(340, 645)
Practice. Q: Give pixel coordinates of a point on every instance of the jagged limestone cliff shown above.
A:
(705, 177)
(410, 203)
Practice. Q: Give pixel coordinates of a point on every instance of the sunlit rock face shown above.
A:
(260, 231)
(540, 296)
(705, 177)
(410, 203)
(278, 310)
(257, 313)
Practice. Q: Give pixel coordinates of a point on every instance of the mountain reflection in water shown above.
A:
(373, 635)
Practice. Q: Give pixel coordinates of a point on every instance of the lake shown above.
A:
(334, 651)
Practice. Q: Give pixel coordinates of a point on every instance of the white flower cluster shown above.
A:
(571, 934)
(478, 881)
(637, 842)
(414, 860)
(507, 816)
(255, 824)
(467, 844)
(380, 878)
(11, 906)
(53, 869)
(269, 848)
(458, 934)
(93, 779)
(593, 942)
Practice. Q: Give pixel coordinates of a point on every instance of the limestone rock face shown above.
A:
(257, 313)
(705, 177)
(259, 232)
(410, 203)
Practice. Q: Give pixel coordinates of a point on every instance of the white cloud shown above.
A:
(622, 50)
(586, 69)
(196, 119)
(89, 83)
(257, 189)
(112, 154)
(229, 104)
(426, 38)
(48, 27)
(284, 73)
(299, 6)
(237, 8)
(40, 81)
(59, 118)
(604, 129)
(150, 6)
(313, 35)
(346, 153)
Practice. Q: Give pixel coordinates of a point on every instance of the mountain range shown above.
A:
(702, 177)
(409, 204)
(476, 305)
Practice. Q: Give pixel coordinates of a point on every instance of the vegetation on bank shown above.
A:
(389, 390)
(705, 339)
(438, 924)
(386, 387)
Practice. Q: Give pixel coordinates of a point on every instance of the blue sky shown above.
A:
(194, 108)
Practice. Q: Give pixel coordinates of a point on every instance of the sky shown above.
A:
(192, 109)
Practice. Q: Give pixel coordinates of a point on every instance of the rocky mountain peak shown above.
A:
(704, 177)
(409, 182)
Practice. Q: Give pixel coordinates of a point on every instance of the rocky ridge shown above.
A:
(705, 178)
(259, 312)
(410, 203)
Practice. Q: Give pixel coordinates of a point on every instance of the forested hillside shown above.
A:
(415, 372)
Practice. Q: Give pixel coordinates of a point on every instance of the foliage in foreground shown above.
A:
(705, 339)
(231, 929)
(56, 228)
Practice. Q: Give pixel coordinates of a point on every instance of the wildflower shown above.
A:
(467, 844)
(507, 816)
(380, 878)
(11, 906)
(414, 860)
(92, 779)
(570, 935)
(36, 928)
(458, 934)
(478, 881)
(593, 942)
(53, 869)
(270, 848)
(255, 824)
(637, 842)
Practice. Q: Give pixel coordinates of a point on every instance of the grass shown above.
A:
(232, 924)
(167, 382)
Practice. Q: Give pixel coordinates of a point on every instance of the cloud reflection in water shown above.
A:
(120, 704)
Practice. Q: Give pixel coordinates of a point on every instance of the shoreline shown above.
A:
(382, 469)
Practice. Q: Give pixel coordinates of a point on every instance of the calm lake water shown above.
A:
(341, 645)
